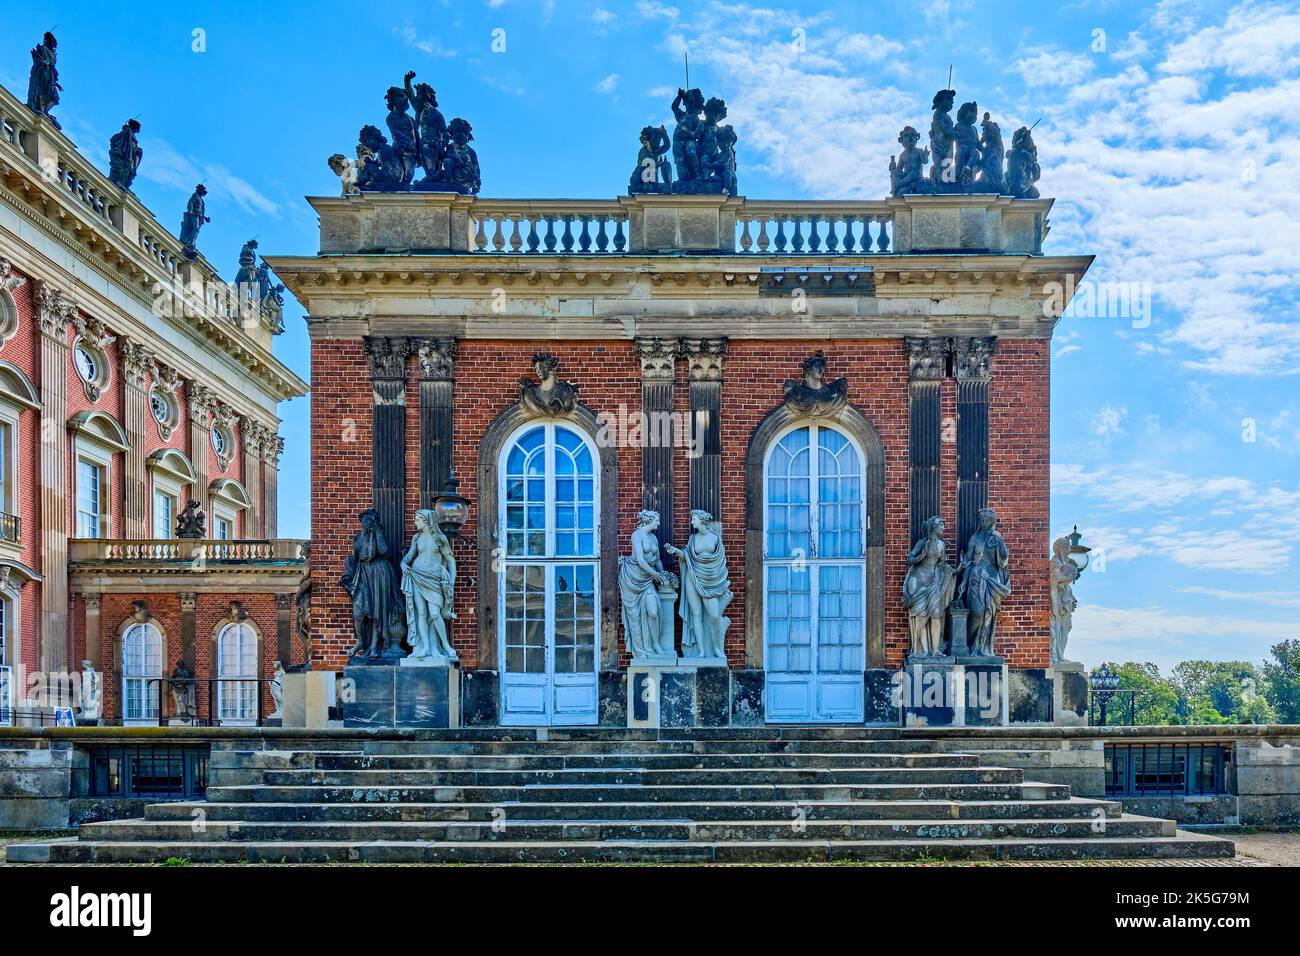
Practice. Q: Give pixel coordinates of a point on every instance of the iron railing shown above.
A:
(144, 771)
(1168, 770)
(208, 697)
(11, 528)
(6, 696)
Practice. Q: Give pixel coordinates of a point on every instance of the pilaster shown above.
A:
(387, 358)
(926, 365)
(437, 358)
(973, 358)
(658, 371)
(704, 359)
(201, 403)
(136, 363)
(55, 310)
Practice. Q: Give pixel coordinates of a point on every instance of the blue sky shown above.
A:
(1168, 136)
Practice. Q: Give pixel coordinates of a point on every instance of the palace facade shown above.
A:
(819, 377)
(132, 381)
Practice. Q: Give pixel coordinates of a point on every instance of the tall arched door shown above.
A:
(142, 669)
(549, 577)
(814, 565)
(237, 686)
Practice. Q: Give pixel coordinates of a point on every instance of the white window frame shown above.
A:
(241, 699)
(9, 471)
(813, 562)
(220, 514)
(103, 460)
(147, 679)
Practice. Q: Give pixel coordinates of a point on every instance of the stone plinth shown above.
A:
(394, 222)
(308, 697)
(681, 223)
(678, 696)
(973, 224)
(939, 692)
(416, 697)
(1069, 694)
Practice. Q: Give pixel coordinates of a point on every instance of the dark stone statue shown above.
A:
(985, 581)
(992, 154)
(369, 579)
(907, 172)
(967, 151)
(943, 140)
(383, 169)
(254, 280)
(654, 172)
(687, 107)
(549, 397)
(814, 396)
(401, 127)
(124, 154)
(1022, 165)
(192, 222)
(43, 83)
(184, 692)
(432, 135)
(191, 522)
(705, 152)
(460, 165)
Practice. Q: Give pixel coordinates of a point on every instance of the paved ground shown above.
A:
(1267, 847)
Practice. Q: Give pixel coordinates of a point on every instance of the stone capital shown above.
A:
(166, 376)
(387, 356)
(189, 599)
(926, 357)
(437, 358)
(658, 358)
(136, 362)
(202, 400)
(704, 358)
(55, 311)
(975, 357)
(253, 436)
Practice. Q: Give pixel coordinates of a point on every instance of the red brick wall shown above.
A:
(608, 375)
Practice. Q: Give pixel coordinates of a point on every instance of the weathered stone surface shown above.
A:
(881, 702)
(1029, 694)
(677, 698)
(427, 697)
(612, 698)
(480, 698)
(747, 688)
(712, 696)
(372, 702)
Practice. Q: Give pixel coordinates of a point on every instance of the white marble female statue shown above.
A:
(1064, 573)
(428, 581)
(706, 588)
(927, 590)
(640, 576)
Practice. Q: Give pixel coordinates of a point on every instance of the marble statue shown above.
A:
(687, 107)
(549, 397)
(642, 584)
(654, 172)
(966, 153)
(190, 523)
(928, 590)
(814, 396)
(907, 172)
(428, 582)
(383, 170)
(368, 578)
(193, 221)
(985, 581)
(992, 154)
(346, 170)
(92, 695)
(246, 274)
(276, 687)
(706, 589)
(43, 82)
(460, 169)
(401, 127)
(1022, 165)
(431, 129)
(124, 155)
(943, 138)
(184, 691)
(1064, 573)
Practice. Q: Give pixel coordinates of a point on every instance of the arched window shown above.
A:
(237, 686)
(549, 576)
(815, 571)
(142, 669)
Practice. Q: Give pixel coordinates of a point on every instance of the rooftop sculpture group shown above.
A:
(704, 152)
(420, 139)
(964, 159)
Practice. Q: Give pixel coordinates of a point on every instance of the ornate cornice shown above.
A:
(658, 359)
(387, 356)
(926, 357)
(437, 358)
(975, 357)
(704, 358)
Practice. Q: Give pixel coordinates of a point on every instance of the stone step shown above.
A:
(507, 829)
(1071, 808)
(1181, 845)
(782, 776)
(560, 747)
(625, 760)
(550, 793)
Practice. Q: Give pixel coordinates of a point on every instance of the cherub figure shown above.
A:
(1022, 165)
(686, 107)
(943, 136)
(726, 159)
(653, 171)
(967, 154)
(991, 155)
(382, 173)
(402, 128)
(907, 174)
(346, 170)
(712, 160)
(460, 165)
(431, 128)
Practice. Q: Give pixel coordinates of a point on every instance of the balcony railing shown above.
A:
(182, 551)
(11, 528)
(6, 696)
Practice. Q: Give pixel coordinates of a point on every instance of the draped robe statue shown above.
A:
(428, 581)
(706, 589)
(986, 580)
(927, 590)
(641, 579)
(368, 579)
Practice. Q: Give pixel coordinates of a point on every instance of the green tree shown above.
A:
(1155, 700)
(1221, 692)
(1282, 682)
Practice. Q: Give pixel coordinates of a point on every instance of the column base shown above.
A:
(941, 694)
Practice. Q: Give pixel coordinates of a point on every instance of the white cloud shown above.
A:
(427, 45)
(1107, 422)
(1254, 41)
(871, 48)
(1044, 66)
(608, 84)
(164, 165)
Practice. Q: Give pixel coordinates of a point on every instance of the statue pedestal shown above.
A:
(955, 222)
(945, 692)
(678, 696)
(307, 699)
(681, 222)
(1069, 693)
(416, 696)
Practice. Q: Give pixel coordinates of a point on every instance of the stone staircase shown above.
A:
(787, 796)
